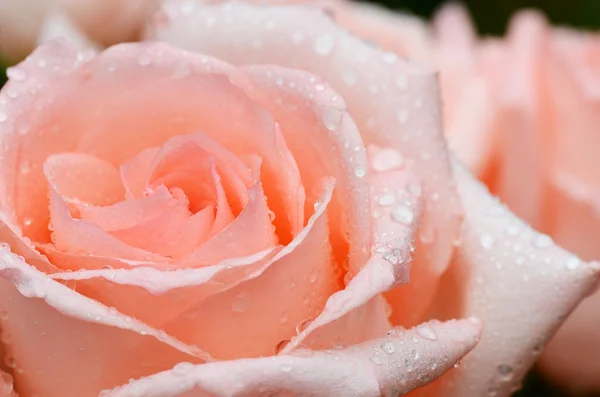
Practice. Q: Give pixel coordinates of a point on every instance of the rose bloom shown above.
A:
(27, 22)
(258, 205)
(522, 113)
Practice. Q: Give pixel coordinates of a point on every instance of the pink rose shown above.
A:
(27, 22)
(523, 114)
(239, 217)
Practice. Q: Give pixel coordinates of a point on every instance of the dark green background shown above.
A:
(491, 17)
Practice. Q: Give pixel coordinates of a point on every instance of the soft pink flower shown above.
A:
(23, 23)
(523, 113)
(240, 215)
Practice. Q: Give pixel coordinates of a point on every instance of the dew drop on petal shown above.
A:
(573, 263)
(487, 241)
(386, 199)
(387, 160)
(388, 347)
(144, 59)
(323, 44)
(402, 214)
(426, 332)
(375, 360)
(285, 367)
(505, 372)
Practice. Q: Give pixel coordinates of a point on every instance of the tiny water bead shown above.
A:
(386, 199)
(505, 372)
(324, 44)
(388, 347)
(375, 360)
(573, 263)
(387, 160)
(285, 367)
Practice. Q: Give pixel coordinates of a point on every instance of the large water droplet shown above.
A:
(573, 263)
(388, 347)
(426, 332)
(505, 372)
(387, 160)
(402, 214)
(3, 117)
(323, 45)
(487, 241)
(386, 199)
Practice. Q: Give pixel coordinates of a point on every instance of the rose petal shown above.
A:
(498, 254)
(393, 230)
(230, 296)
(84, 179)
(358, 370)
(135, 171)
(105, 119)
(410, 121)
(324, 141)
(85, 238)
(156, 296)
(59, 24)
(85, 346)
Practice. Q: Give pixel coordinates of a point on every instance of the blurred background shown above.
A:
(490, 17)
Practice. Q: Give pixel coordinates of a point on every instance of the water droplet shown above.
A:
(387, 160)
(323, 45)
(240, 303)
(416, 354)
(505, 372)
(487, 241)
(573, 263)
(513, 230)
(375, 360)
(426, 332)
(320, 87)
(402, 214)
(360, 172)
(285, 368)
(386, 199)
(3, 117)
(144, 59)
(388, 347)
(542, 241)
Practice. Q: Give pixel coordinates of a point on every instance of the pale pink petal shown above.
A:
(130, 212)
(157, 105)
(156, 296)
(229, 295)
(498, 255)
(574, 221)
(84, 179)
(395, 213)
(6, 385)
(250, 232)
(78, 236)
(393, 102)
(135, 171)
(324, 141)
(520, 105)
(299, 280)
(58, 24)
(381, 367)
(85, 346)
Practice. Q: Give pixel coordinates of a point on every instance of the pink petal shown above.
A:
(324, 141)
(394, 225)
(58, 24)
(378, 367)
(498, 255)
(6, 385)
(294, 282)
(83, 237)
(135, 171)
(156, 296)
(156, 105)
(393, 102)
(84, 179)
(85, 346)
